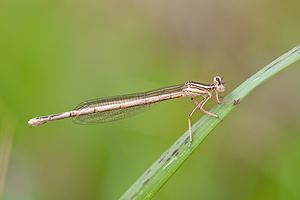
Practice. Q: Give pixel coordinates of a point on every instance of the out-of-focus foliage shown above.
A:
(55, 54)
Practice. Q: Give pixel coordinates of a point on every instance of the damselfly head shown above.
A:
(220, 87)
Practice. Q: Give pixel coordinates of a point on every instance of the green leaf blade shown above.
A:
(149, 183)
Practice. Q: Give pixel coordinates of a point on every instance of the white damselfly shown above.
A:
(119, 107)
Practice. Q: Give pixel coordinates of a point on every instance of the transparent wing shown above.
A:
(112, 115)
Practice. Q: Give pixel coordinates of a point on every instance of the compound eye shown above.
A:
(218, 80)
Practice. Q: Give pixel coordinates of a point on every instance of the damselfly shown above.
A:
(119, 107)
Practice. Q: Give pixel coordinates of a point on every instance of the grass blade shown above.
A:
(149, 183)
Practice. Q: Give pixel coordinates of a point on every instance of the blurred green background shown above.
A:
(56, 54)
